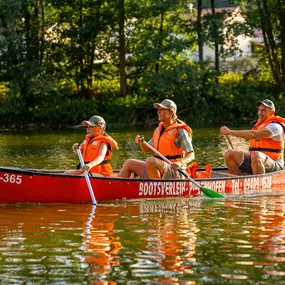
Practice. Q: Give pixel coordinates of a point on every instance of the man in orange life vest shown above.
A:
(266, 143)
(172, 138)
(96, 149)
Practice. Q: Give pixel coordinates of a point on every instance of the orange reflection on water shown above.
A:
(100, 240)
(269, 234)
(56, 228)
(172, 241)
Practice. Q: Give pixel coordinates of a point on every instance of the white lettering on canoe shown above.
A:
(264, 182)
(235, 186)
(162, 188)
(216, 185)
(11, 178)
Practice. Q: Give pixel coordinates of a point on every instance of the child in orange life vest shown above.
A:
(96, 149)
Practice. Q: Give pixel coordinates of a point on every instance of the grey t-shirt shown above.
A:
(277, 133)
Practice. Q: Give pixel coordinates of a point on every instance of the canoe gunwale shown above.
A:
(58, 173)
(24, 185)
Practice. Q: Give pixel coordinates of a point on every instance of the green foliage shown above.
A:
(58, 67)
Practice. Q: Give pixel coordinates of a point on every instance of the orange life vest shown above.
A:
(90, 148)
(274, 149)
(193, 167)
(164, 142)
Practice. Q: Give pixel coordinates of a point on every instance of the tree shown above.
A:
(269, 17)
(122, 48)
(199, 31)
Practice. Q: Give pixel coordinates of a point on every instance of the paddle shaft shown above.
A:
(230, 141)
(86, 178)
(169, 162)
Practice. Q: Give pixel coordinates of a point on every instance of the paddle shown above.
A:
(229, 141)
(86, 178)
(207, 192)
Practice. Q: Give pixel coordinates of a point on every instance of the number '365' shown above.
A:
(13, 178)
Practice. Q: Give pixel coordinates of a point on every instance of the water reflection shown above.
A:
(56, 242)
(99, 238)
(166, 241)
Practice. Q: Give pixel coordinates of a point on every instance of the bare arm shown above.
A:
(246, 134)
(187, 158)
(139, 140)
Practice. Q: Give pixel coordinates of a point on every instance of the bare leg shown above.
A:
(233, 158)
(79, 172)
(155, 167)
(130, 166)
(257, 162)
(94, 174)
(73, 172)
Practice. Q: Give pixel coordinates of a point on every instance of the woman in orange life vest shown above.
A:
(266, 143)
(172, 138)
(96, 149)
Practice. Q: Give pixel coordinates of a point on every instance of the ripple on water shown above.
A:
(239, 241)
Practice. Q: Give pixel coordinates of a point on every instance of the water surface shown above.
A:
(163, 241)
(52, 149)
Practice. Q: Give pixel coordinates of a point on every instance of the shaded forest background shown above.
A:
(62, 61)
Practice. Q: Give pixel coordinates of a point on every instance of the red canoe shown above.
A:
(20, 185)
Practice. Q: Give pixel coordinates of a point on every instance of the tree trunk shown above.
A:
(35, 32)
(199, 31)
(215, 28)
(42, 37)
(269, 42)
(160, 39)
(91, 58)
(122, 52)
(27, 31)
(83, 90)
(281, 10)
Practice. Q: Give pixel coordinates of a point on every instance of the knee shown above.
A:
(256, 156)
(228, 155)
(128, 163)
(150, 161)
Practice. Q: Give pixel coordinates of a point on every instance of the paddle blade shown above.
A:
(211, 193)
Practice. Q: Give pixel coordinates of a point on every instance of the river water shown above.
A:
(164, 241)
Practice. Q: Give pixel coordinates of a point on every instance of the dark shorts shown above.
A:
(270, 165)
(144, 172)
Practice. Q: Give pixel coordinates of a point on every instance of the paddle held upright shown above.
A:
(86, 178)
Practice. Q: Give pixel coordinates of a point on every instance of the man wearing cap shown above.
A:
(96, 149)
(172, 138)
(266, 143)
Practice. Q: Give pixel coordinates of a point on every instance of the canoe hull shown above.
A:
(35, 186)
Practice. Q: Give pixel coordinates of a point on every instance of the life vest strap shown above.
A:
(171, 156)
(102, 163)
(266, 149)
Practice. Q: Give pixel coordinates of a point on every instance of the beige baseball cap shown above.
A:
(267, 103)
(95, 121)
(166, 104)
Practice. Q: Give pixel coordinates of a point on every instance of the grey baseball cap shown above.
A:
(166, 104)
(267, 103)
(95, 121)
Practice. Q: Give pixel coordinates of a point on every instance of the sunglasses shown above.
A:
(91, 127)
